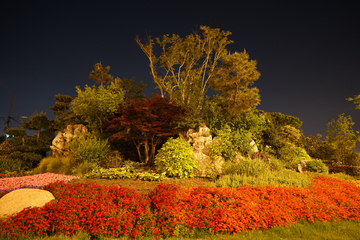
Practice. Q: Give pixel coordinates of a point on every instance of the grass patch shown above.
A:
(334, 230)
(280, 178)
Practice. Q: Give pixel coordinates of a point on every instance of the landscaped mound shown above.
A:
(173, 210)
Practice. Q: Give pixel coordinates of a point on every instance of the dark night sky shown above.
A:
(308, 54)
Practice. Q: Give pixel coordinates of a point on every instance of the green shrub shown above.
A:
(113, 160)
(349, 170)
(176, 159)
(230, 143)
(88, 148)
(301, 154)
(316, 166)
(246, 167)
(9, 164)
(291, 156)
(276, 164)
(84, 168)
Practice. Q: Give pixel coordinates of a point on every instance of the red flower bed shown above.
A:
(171, 209)
(253, 207)
(96, 209)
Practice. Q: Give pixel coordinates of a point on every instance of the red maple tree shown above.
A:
(145, 123)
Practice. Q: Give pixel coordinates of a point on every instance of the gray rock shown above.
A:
(59, 143)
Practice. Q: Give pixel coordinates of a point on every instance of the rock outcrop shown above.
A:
(302, 166)
(59, 144)
(199, 140)
(15, 201)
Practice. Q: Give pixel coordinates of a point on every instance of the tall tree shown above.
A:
(94, 105)
(184, 67)
(341, 137)
(145, 123)
(60, 110)
(232, 79)
(37, 122)
(100, 74)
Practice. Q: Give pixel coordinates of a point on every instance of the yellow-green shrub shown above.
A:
(176, 159)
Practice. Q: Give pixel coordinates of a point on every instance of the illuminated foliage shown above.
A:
(233, 78)
(355, 100)
(94, 105)
(184, 66)
(144, 123)
(341, 138)
(100, 74)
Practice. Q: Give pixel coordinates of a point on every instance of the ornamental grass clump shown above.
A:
(60, 165)
(176, 159)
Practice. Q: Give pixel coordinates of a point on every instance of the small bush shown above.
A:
(317, 166)
(113, 160)
(276, 164)
(9, 164)
(229, 143)
(176, 159)
(89, 148)
(246, 167)
(291, 156)
(349, 170)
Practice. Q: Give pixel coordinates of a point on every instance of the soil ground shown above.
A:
(147, 186)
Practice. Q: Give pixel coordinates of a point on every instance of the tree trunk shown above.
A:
(146, 145)
(138, 149)
(152, 154)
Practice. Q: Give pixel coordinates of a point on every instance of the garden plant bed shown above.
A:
(146, 187)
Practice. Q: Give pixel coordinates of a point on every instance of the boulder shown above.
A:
(199, 139)
(253, 145)
(59, 144)
(15, 201)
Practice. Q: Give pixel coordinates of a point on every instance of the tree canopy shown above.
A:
(355, 100)
(131, 90)
(341, 138)
(233, 78)
(144, 123)
(100, 74)
(37, 122)
(94, 105)
(182, 67)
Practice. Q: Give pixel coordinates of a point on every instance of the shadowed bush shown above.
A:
(9, 164)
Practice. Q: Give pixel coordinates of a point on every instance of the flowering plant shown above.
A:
(174, 210)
